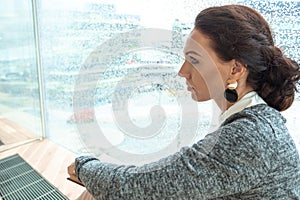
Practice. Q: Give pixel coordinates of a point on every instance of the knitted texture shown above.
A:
(251, 156)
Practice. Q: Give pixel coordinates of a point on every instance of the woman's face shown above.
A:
(204, 72)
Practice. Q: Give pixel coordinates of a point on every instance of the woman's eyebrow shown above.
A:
(192, 52)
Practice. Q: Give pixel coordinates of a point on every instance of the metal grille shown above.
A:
(18, 180)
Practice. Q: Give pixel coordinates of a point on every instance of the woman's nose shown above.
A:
(184, 72)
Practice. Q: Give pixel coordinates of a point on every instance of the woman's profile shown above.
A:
(231, 58)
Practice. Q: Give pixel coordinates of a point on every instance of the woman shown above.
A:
(251, 155)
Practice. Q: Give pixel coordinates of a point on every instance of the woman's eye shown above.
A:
(193, 60)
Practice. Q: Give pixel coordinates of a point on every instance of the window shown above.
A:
(20, 106)
(109, 71)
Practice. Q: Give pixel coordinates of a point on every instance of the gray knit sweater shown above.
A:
(251, 156)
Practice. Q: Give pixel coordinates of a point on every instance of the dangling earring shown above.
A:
(230, 93)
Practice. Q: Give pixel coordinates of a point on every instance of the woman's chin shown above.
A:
(195, 97)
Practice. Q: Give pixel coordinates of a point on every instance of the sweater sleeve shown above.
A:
(227, 161)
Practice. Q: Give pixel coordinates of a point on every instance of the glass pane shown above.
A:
(108, 64)
(19, 101)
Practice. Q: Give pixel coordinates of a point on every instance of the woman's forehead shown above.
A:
(197, 43)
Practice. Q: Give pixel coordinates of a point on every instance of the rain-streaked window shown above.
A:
(109, 71)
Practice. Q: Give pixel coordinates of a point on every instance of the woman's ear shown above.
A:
(238, 70)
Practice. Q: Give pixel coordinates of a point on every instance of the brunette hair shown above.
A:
(241, 33)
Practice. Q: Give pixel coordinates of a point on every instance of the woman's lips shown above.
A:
(189, 88)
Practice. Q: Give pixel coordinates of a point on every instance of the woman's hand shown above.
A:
(71, 172)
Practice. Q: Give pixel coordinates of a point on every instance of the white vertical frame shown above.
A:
(39, 68)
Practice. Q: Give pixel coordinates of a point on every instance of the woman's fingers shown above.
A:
(72, 174)
(71, 169)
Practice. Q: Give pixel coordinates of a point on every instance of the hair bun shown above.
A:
(280, 78)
